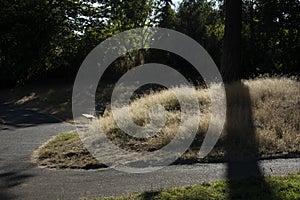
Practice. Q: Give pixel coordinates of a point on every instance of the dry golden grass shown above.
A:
(276, 114)
(140, 115)
(65, 151)
(262, 119)
(275, 107)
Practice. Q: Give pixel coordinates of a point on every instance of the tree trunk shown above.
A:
(231, 58)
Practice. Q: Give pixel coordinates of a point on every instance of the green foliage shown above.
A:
(44, 38)
(22, 25)
(36, 36)
(199, 20)
(271, 35)
(125, 15)
(283, 187)
(165, 14)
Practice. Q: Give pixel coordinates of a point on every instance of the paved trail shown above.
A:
(25, 130)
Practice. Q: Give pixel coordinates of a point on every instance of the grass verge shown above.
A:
(274, 104)
(278, 187)
(65, 151)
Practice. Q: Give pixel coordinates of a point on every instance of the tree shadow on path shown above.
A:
(242, 145)
(10, 177)
(13, 116)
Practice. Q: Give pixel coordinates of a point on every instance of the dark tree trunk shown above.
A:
(231, 59)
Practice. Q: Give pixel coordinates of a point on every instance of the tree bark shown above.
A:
(231, 58)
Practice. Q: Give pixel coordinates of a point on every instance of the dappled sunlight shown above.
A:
(54, 100)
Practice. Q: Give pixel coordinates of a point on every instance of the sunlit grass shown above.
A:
(277, 187)
(275, 107)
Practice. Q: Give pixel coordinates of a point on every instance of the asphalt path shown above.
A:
(24, 131)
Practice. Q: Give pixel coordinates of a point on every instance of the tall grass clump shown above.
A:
(262, 120)
(274, 104)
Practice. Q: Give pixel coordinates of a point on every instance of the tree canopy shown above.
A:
(50, 38)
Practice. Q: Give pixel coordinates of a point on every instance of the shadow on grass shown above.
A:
(242, 146)
(149, 195)
(245, 179)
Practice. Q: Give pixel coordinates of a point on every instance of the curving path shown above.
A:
(25, 130)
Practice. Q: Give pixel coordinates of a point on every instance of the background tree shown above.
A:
(271, 36)
(202, 21)
(37, 36)
(166, 15)
(43, 39)
(231, 58)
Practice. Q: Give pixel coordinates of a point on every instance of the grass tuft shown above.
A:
(66, 151)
